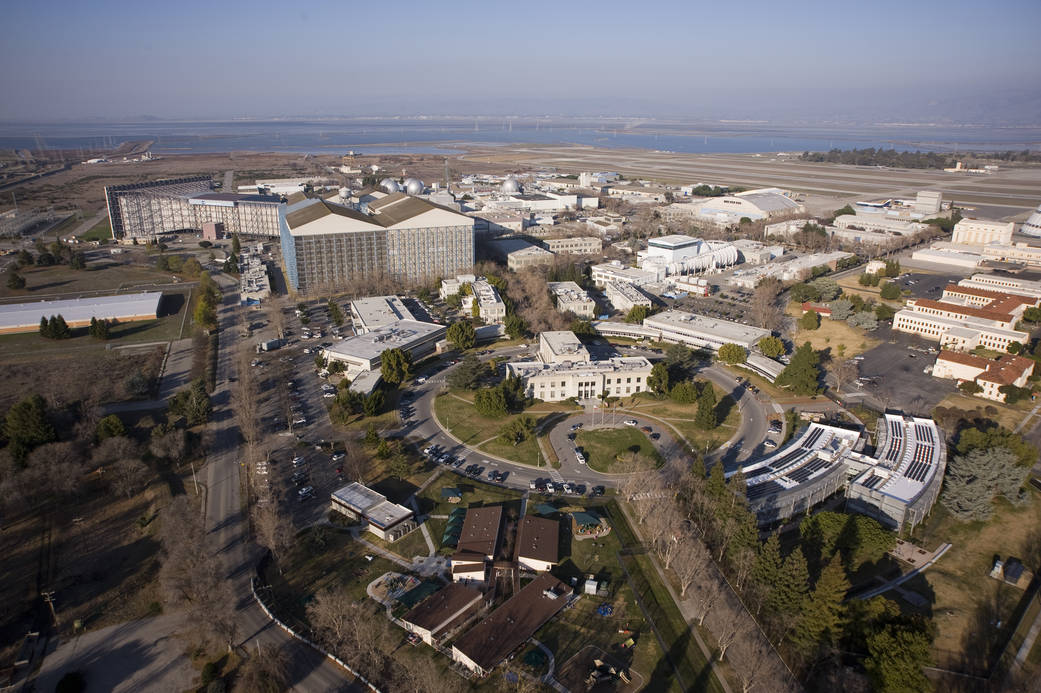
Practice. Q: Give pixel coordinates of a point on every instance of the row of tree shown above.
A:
(207, 302)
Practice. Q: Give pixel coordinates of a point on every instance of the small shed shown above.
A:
(451, 494)
(590, 586)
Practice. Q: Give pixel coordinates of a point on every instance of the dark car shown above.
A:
(597, 491)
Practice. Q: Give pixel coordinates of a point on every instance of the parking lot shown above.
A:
(926, 285)
(893, 373)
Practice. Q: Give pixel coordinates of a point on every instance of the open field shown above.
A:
(456, 412)
(102, 231)
(972, 612)
(831, 334)
(611, 450)
(1006, 415)
(61, 281)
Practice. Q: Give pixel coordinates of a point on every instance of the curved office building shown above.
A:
(1032, 226)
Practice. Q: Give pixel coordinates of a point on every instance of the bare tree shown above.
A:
(273, 528)
(172, 446)
(244, 400)
(764, 304)
(128, 476)
(422, 675)
(266, 671)
(690, 562)
(705, 597)
(843, 372)
(726, 638)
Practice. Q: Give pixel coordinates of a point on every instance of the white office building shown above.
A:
(982, 232)
(362, 353)
(624, 296)
(571, 298)
(615, 271)
(679, 254)
(700, 331)
(378, 311)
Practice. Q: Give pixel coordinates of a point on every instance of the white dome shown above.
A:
(511, 185)
(1032, 226)
(414, 186)
(390, 185)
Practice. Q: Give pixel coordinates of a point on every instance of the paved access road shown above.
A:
(423, 428)
(226, 522)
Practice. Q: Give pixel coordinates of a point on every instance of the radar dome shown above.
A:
(390, 185)
(511, 185)
(414, 186)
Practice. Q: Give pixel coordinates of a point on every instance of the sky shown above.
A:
(829, 60)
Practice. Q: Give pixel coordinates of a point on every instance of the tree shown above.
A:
(803, 373)
(491, 402)
(974, 438)
(515, 326)
(518, 430)
(1030, 314)
(841, 309)
(684, 392)
(637, 314)
(804, 292)
(582, 328)
(15, 281)
(192, 402)
(810, 320)
(266, 671)
(764, 303)
(468, 373)
(969, 387)
(706, 417)
(821, 618)
(786, 600)
(884, 312)
(827, 288)
(658, 380)
(128, 476)
(890, 291)
(26, 427)
(1014, 348)
(844, 211)
(236, 245)
(111, 426)
(865, 320)
(395, 366)
(461, 334)
(99, 329)
(843, 371)
(895, 661)
(767, 569)
(373, 403)
(681, 361)
(732, 353)
(975, 478)
(772, 347)
(869, 279)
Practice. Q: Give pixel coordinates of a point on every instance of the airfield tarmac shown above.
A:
(1009, 193)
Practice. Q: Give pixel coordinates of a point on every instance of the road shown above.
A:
(226, 522)
(423, 428)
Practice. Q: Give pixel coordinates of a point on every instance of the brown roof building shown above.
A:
(990, 374)
(482, 647)
(478, 542)
(442, 611)
(537, 543)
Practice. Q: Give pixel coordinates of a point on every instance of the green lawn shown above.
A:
(321, 558)
(50, 282)
(409, 546)
(102, 231)
(681, 417)
(611, 450)
(474, 493)
(456, 412)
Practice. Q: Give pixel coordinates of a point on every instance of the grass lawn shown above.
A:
(966, 603)
(456, 412)
(408, 546)
(831, 334)
(321, 557)
(65, 226)
(49, 282)
(609, 450)
(1007, 415)
(474, 493)
(101, 231)
(681, 416)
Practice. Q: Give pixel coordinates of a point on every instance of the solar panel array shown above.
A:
(873, 481)
(804, 472)
(812, 438)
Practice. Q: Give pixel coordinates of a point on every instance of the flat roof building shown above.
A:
(571, 298)
(989, 374)
(967, 317)
(378, 311)
(617, 272)
(763, 203)
(561, 347)
(624, 296)
(518, 253)
(438, 615)
(485, 645)
(147, 210)
(575, 245)
(362, 352)
(389, 521)
(1006, 284)
(403, 238)
(77, 312)
(700, 331)
(584, 380)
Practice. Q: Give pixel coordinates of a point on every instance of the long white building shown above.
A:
(679, 254)
(966, 318)
(763, 203)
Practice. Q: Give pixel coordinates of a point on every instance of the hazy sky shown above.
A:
(961, 60)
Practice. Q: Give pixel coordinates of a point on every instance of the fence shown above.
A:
(314, 645)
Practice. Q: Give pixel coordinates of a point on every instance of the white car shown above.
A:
(329, 395)
(421, 379)
(769, 443)
(580, 457)
(630, 422)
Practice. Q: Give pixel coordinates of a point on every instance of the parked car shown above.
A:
(646, 429)
(305, 493)
(579, 456)
(630, 422)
